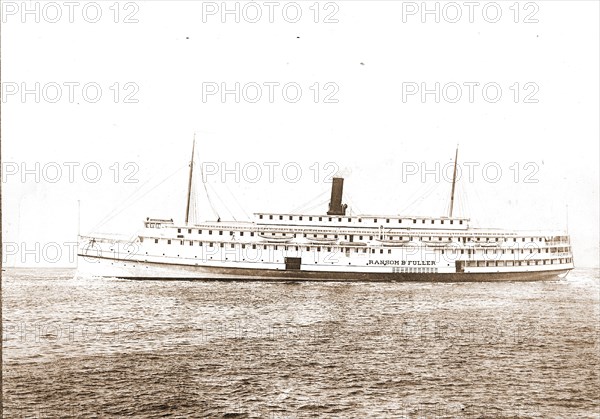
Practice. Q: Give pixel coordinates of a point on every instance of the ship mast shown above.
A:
(453, 183)
(189, 194)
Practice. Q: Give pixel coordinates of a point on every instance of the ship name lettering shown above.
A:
(386, 262)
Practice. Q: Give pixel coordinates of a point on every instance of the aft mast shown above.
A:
(453, 183)
(189, 194)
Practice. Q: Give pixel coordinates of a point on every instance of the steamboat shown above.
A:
(331, 246)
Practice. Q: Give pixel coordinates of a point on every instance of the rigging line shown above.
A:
(222, 202)
(193, 213)
(136, 200)
(140, 197)
(469, 205)
(237, 202)
(207, 195)
(418, 198)
(310, 201)
(418, 195)
(354, 207)
(315, 206)
(109, 216)
(124, 203)
(412, 198)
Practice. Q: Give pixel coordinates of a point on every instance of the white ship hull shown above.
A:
(143, 270)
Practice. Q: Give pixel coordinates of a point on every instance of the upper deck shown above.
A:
(362, 221)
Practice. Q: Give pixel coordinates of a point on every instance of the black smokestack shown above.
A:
(335, 204)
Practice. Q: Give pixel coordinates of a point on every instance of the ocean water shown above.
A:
(81, 347)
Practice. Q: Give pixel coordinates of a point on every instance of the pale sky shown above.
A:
(547, 150)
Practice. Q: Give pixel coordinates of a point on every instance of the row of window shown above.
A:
(388, 237)
(360, 220)
(357, 249)
(503, 263)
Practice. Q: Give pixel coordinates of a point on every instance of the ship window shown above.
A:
(360, 237)
(168, 241)
(431, 221)
(320, 218)
(300, 218)
(189, 231)
(232, 245)
(387, 220)
(199, 231)
(260, 216)
(309, 218)
(329, 218)
(374, 220)
(414, 221)
(372, 250)
(209, 231)
(191, 243)
(423, 221)
(241, 233)
(442, 221)
(291, 218)
(360, 220)
(318, 248)
(210, 244)
(460, 222)
(389, 251)
(281, 217)
(270, 217)
(222, 245)
(451, 221)
(243, 246)
(381, 251)
(336, 236)
(155, 240)
(179, 230)
(339, 220)
(329, 249)
(220, 232)
(370, 237)
(251, 234)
